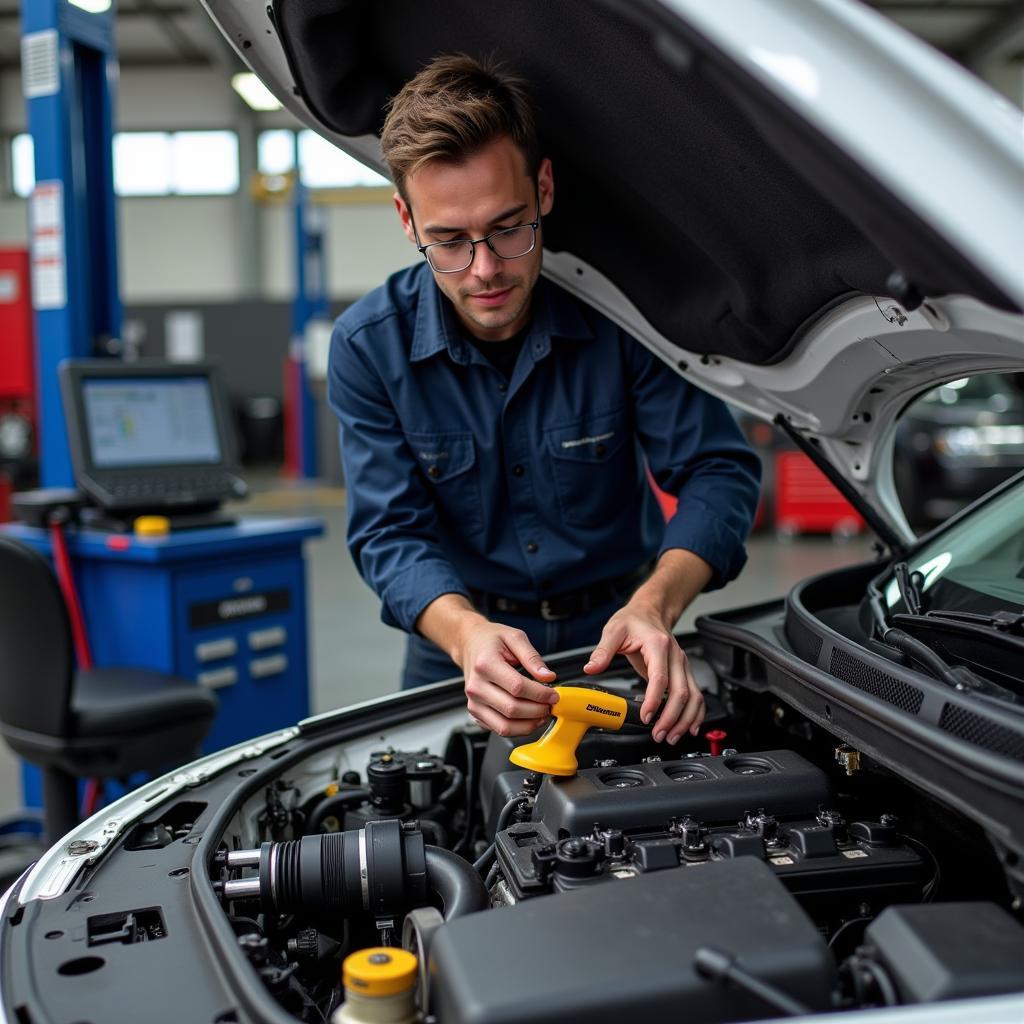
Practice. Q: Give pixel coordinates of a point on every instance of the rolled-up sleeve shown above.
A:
(696, 452)
(392, 525)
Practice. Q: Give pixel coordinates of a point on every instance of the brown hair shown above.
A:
(453, 108)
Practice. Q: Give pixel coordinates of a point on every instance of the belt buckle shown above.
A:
(548, 614)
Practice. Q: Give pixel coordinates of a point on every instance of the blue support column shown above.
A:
(310, 304)
(69, 72)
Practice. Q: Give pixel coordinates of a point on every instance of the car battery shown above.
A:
(806, 501)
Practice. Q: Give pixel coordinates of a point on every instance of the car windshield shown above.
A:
(977, 565)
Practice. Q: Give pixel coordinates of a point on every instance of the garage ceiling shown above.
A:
(150, 34)
(177, 33)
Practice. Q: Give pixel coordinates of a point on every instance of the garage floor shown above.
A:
(355, 656)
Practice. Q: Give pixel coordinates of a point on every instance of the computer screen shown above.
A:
(151, 421)
(150, 435)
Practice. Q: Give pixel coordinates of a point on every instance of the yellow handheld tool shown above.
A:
(578, 709)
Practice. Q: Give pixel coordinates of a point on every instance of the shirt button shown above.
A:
(518, 470)
(599, 450)
(532, 548)
(434, 472)
(503, 387)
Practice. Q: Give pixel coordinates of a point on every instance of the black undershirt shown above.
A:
(502, 355)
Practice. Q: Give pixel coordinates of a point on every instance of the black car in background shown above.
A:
(957, 442)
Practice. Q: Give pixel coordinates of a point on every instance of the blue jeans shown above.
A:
(425, 662)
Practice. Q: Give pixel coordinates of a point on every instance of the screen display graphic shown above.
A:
(151, 422)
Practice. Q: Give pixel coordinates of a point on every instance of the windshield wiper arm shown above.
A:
(1002, 621)
(911, 586)
(1003, 650)
(957, 676)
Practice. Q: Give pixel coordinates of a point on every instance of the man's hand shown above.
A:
(653, 652)
(498, 696)
(642, 631)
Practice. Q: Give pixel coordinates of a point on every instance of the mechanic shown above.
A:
(495, 433)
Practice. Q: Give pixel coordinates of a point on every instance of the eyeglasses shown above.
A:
(506, 244)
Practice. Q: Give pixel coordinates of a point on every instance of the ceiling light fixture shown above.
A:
(92, 6)
(254, 92)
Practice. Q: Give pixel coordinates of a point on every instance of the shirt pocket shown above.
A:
(591, 464)
(448, 463)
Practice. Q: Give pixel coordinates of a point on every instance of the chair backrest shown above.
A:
(36, 663)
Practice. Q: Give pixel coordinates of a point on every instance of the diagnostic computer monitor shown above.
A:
(150, 436)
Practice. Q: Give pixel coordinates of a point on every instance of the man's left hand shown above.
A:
(653, 652)
(639, 631)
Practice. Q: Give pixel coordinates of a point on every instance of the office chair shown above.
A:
(72, 724)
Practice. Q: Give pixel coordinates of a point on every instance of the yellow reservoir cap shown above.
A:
(152, 526)
(578, 709)
(379, 971)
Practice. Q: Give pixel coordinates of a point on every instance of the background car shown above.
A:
(957, 442)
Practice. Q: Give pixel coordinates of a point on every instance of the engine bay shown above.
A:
(765, 869)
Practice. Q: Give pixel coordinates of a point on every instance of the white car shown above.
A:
(818, 218)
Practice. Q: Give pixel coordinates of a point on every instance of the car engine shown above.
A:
(738, 883)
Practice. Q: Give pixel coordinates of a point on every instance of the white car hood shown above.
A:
(854, 235)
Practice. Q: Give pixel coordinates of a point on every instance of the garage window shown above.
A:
(154, 163)
(322, 164)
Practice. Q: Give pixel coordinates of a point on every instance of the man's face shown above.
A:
(485, 192)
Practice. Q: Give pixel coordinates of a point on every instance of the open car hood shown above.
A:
(804, 209)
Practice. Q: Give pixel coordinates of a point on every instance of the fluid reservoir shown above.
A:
(380, 987)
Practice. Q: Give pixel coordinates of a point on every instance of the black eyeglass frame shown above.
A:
(474, 242)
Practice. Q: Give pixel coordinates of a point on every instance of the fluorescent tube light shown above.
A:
(254, 92)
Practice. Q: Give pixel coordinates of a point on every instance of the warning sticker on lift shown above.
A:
(49, 257)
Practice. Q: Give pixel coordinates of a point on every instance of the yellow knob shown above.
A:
(152, 526)
(578, 709)
(379, 971)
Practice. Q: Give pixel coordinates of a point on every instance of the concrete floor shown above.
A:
(355, 657)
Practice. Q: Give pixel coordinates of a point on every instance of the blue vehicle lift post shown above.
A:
(69, 71)
(310, 304)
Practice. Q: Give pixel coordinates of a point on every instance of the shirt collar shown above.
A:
(556, 314)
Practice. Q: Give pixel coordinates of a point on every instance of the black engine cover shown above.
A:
(624, 952)
(713, 790)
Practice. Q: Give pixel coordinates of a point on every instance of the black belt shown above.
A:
(564, 606)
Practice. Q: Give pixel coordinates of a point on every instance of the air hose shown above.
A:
(382, 870)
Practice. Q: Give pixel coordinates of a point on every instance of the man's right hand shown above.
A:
(498, 696)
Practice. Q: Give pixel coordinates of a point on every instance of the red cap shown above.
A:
(714, 738)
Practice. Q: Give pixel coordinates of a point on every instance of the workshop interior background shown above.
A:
(206, 251)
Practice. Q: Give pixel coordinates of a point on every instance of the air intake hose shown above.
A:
(382, 870)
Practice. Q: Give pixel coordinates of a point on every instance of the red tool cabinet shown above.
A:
(807, 502)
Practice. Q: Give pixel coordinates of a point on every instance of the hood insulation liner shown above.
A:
(727, 221)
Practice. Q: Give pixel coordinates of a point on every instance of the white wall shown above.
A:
(364, 245)
(178, 248)
(13, 222)
(191, 248)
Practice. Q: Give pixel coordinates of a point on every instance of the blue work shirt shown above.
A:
(531, 487)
